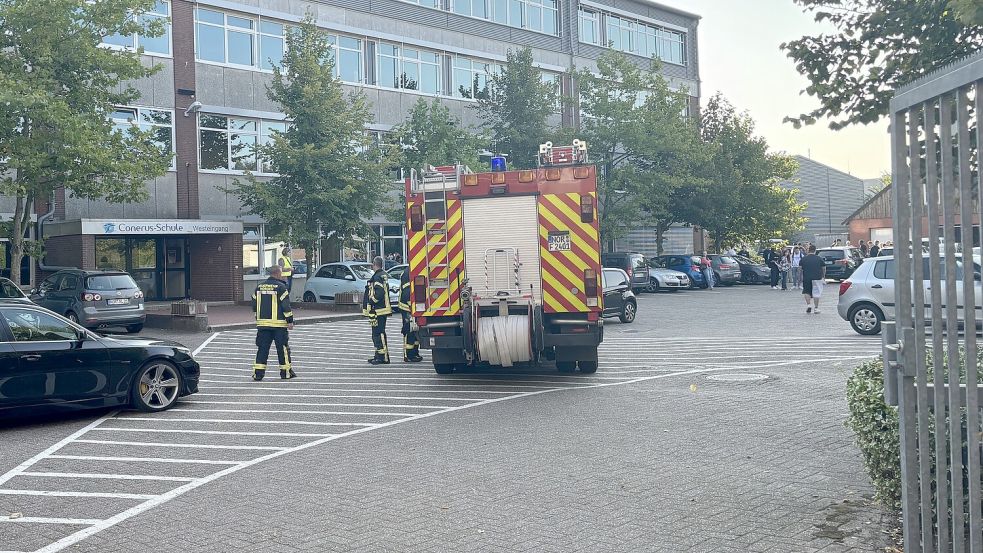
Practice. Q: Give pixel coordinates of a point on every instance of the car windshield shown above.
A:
(831, 254)
(9, 290)
(727, 259)
(362, 272)
(109, 282)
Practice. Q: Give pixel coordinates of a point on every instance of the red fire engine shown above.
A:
(505, 266)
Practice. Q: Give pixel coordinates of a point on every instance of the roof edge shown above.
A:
(866, 204)
(662, 6)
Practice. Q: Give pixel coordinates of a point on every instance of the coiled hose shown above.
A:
(505, 340)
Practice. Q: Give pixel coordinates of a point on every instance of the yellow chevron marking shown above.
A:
(573, 300)
(573, 257)
(573, 216)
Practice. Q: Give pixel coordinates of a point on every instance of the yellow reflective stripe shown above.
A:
(284, 295)
(288, 314)
(271, 324)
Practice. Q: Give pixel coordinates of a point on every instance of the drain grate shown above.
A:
(738, 377)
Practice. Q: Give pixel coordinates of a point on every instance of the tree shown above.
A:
(58, 89)
(879, 46)
(637, 133)
(432, 136)
(516, 109)
(743, 200)
(332, 173)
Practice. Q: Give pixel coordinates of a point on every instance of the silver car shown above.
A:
(867, 297)
(666, 279)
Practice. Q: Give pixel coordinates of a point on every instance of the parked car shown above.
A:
(93, 299)
(51, 363)
(632, 263)
(619, 300)
(726, 269)
(840, 261)
(299, 267)
(332, 279)
(753, 272)
(686, 264)
(11, 293)
(661, 278)
(886, 251)
(866, 298)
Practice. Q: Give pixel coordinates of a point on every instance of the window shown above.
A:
(427, 3)
(347, 53)
(158, 122)
(229, 143)
(472, 77)
(554, 81)
(111, 253)
(10, 290)
(408, 68)
(475, 8)
(69, 283)
(35, 326)
(109, 283)
(151, 45)
(237, 40)
(589, 27)
(535, 15)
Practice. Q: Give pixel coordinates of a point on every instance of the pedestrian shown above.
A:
(731, 251)
(796, 268)
(411, 341)
(706, 267)
(286, 268)
(864, 249)
(784, 266)
(875, 249)
(744, 252)
(813, 279)
(376, 306)
(274, 320)
(771, 260)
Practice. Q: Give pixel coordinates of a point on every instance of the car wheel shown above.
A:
(444, 368)
(71, 316)
(566, 366)
(588, 367)
(309, 297)
(653, 286)
(133, 329)
(866, 319)
(157, 386)
(628, 312)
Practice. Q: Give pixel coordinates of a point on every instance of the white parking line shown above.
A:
(52, 493)
(252, 421)
(218, 432)
(189, 446)
(298, 404)
(247, 386)
(443, 384)
(370, 379)
(107, 476)
(48, 520)
(281, 412)
(143, 459)
(402, 398)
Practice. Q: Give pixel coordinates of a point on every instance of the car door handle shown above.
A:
(31, 357)
(877, 286)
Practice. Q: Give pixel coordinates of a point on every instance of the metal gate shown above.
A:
(932, 353)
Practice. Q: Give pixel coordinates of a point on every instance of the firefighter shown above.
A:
(274, 318)
(411, 342)
(376, 306)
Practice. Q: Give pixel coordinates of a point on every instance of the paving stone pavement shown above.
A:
(647, 455)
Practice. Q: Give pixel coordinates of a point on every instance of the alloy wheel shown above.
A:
(159, 384)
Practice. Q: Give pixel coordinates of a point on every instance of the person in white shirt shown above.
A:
(731, 251)
(796, 270)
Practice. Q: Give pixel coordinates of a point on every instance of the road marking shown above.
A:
(404, 398)
(299, 404)
(205, 343)
(436, 384)
(48, 520)
(218, 432)
(106, 476)
(143, 459)
(192, 446)
(51, 493)
(246, 386)
(273, 411)
(252, 421)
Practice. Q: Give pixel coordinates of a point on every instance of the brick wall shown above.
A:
(216, 267)
(185, 128)
(76, 250)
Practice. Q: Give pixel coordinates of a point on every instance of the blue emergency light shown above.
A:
(498, 164)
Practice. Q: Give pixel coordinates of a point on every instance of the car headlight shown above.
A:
(183, 350)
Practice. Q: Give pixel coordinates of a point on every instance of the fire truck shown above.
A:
(504, 265)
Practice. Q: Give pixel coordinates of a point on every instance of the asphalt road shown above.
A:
(714, 424)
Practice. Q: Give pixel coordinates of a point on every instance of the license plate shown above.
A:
(118, 301)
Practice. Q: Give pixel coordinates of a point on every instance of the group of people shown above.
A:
(808, 271)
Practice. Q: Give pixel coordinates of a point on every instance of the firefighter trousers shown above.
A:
(411, 342)
(267, 336)
(378, 324)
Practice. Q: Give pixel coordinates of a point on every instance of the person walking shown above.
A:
(274, 320)
(875, 249)
(864, 249)
(784, 266)
(796, 269)
(411, 341)
(706, 267)
(813, 279)
(286, 268)
(376, 307)
(771, 260)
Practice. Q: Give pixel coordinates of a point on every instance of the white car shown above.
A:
(332, 279)
(666, 279)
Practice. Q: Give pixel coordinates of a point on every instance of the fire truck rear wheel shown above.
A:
(566, 366)
(588, 367)
(444, 368)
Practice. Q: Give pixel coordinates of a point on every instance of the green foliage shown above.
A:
(743, 201)
(432, 136)
(58, 88)
(516, 109)
(878, 46)
(332, 174)
(875, 424)
(648, 153)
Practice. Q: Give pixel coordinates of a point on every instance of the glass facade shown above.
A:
(159, 265)
(229, 143)
(632, 36)
(161, 11)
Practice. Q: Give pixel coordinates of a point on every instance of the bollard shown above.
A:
(889, 350)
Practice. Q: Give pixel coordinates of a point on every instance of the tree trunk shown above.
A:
(23, 205)
(660, 232)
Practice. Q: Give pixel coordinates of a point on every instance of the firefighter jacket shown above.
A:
(287, 266)
(404, 292)
(375, 301)
(271, 303)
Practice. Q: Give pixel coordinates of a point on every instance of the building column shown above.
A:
(185, 127)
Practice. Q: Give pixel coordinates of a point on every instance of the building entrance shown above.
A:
(159, 264)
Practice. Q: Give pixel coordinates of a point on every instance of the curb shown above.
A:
(298, 322)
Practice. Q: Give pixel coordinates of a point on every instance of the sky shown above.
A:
(740, 56)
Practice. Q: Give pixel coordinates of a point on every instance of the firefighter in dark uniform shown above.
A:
(411, 342)
(376, 306)
(274, 318)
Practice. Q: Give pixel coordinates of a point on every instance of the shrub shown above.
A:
(875, 424)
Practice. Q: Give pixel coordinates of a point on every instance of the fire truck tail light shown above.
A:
(590, 283)
(421, 321)
(498, 178)
(591, 302)
(552, 174)
(471, 180)
(526, 176)
(586, 208)
(416, 217)
(420, 290)
(593, 316)
(581, 172)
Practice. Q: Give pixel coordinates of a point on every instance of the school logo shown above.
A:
(109, 228)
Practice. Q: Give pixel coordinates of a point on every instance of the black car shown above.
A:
(840, 262)
(50, 363)
(619, 300)
(11, 293)
(753, 272)
(632, 263)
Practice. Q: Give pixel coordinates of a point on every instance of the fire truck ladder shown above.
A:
(435, 183)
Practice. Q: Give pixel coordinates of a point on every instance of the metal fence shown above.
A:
(932, 357)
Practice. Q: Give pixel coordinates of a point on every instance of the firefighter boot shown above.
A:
(259, 373)
(287, 374)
